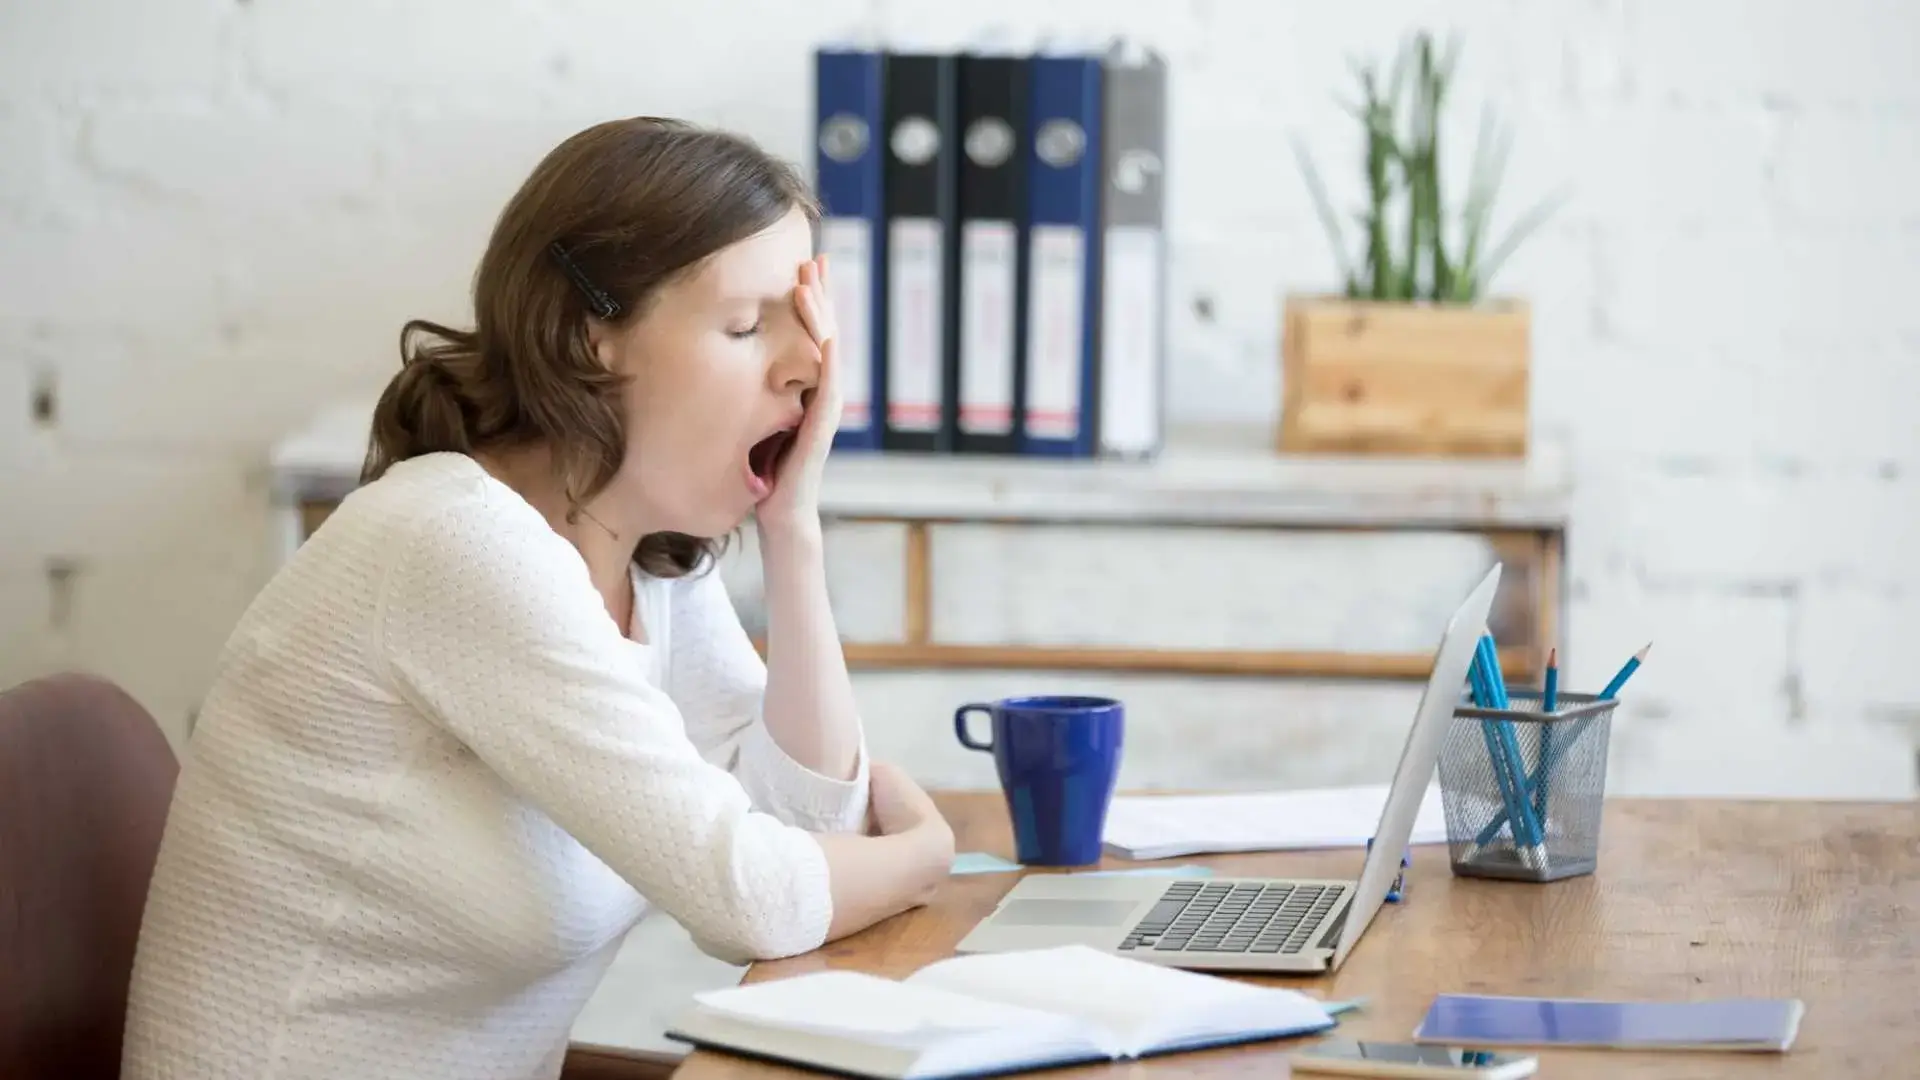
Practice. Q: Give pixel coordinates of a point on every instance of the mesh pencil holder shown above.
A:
(1551, 768)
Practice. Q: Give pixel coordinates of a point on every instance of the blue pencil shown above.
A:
(1626, 671)
(1550, 691)
(1526, 829)
(1540, 772)
(1508, 772)
(1549, 700)
(1496, 755)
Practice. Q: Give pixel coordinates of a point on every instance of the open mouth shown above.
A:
(763, 461)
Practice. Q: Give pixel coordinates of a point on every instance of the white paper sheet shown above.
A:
(1159, 826)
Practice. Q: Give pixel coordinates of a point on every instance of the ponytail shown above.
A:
(432, 404)
(443, 399)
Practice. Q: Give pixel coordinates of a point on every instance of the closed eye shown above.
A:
(750, 331)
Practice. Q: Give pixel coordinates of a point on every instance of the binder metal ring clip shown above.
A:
(1399, 887)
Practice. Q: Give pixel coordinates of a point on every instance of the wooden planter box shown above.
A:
(1365, 377)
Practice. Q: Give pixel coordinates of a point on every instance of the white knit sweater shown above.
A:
(433, 786)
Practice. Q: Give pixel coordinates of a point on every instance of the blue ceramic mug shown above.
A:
(1058, 758)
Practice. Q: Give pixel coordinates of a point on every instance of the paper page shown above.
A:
(1055, 288)
(989, 254)
(869, 1008)
(1132, 340)
(1158, 826)
(1140, 1004)
(914, 328)
(848, 245)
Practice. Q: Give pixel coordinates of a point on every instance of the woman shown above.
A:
(499, 705)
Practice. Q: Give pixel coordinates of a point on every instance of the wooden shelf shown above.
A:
(1207, 479)
(1516, 663)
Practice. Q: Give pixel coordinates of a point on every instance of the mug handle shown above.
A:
(960, 727)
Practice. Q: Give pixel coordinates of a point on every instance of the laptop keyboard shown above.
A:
(1250, 917)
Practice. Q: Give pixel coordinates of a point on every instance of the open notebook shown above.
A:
(992, 1013)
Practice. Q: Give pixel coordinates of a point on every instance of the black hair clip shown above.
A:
(603, 305)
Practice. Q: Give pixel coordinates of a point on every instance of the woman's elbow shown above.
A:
(749, 936)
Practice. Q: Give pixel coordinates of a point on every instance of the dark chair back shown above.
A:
(85, 780)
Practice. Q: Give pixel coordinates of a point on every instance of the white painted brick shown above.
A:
(1717, 652)
(121, 392)
(101, 510)
(1855, 644)
(636, 60)
(1727, 755)
(1785, 50)
(84, 47)
(1170, 28)
(1651, 165)
(443, 227)
(21, 441)
(1271, 63)
(29, 645)
(1555, 272)
(1760, 288)
(156, 628)
(1576, 55)
(1745, 526)
(375, 49)
(35, 138)
(1840, 405)
(122, 267)
(234, 160)
(1726, 526)
(1224, 323)
(1852, 166)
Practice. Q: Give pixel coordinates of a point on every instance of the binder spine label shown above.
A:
(1055, 324)
(1131, 335)
(987, 281)
(914, 336)
(848, 245)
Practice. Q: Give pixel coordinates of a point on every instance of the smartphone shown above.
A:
(1391, 1059)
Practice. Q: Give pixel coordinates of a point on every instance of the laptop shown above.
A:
(1277, 925)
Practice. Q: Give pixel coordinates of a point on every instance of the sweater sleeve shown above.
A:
(493, 629)
(717, 678)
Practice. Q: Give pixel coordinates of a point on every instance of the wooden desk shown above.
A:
(1810, 900)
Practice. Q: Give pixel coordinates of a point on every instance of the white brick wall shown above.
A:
(216, 214)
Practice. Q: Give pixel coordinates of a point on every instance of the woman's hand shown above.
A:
(795, 501)
(901, 864)
(895, 804)
(808, 706)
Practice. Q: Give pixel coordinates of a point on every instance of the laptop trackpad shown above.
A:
(1040, 912)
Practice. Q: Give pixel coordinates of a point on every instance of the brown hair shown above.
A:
(606, 218)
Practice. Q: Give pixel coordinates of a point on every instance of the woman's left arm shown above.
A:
(788, 730)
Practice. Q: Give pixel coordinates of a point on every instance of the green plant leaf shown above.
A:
(1404, 163)
(1491, 147)
(1523, 227)
(1323, 206)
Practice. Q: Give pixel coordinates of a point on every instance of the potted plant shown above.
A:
(1414, 355)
